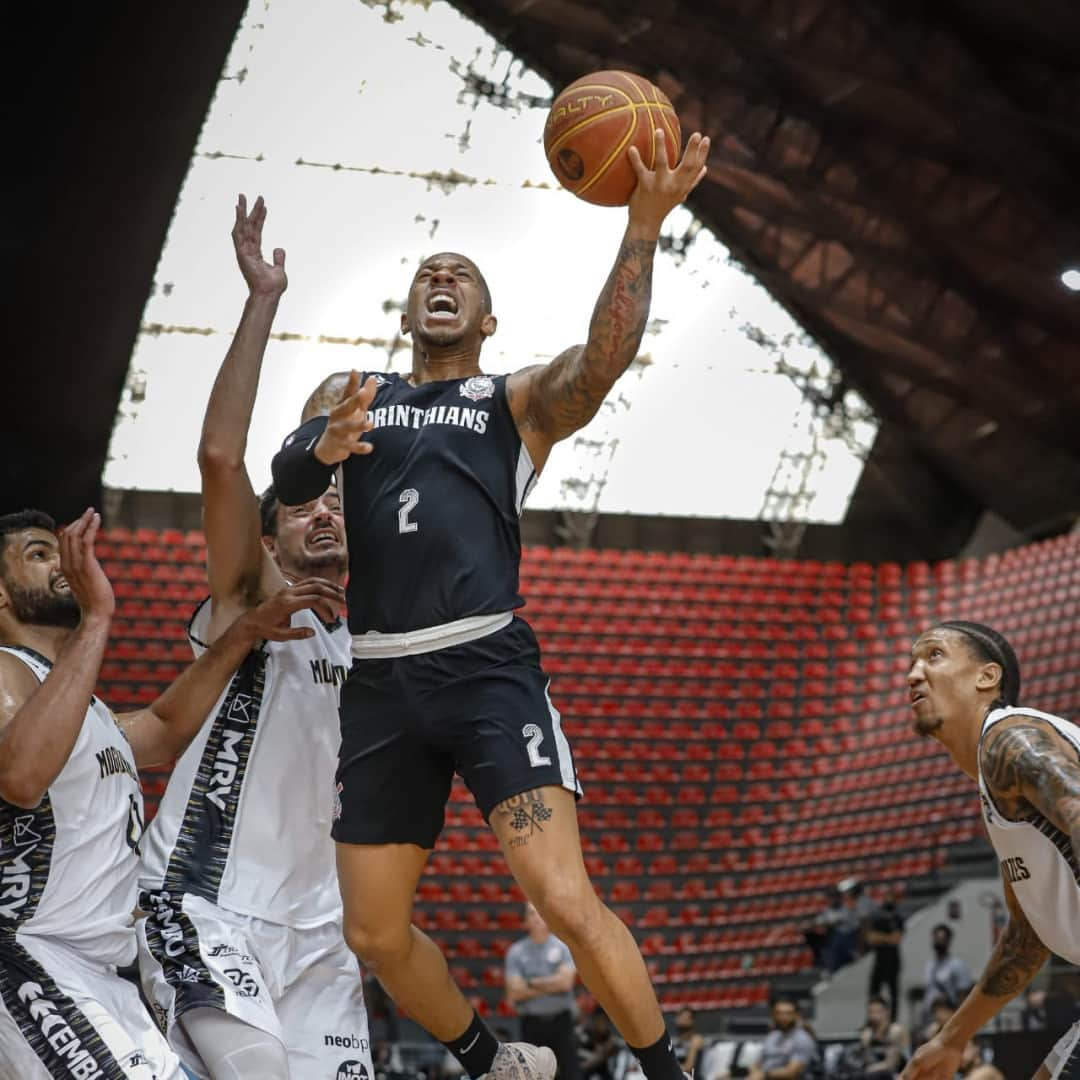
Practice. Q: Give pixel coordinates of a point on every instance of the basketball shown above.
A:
(592, 124)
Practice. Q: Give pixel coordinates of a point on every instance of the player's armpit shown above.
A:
(1029, 760)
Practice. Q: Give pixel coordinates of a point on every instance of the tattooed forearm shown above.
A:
(1029, 763)
(521, 817)
(1015, 961)
(570, 390)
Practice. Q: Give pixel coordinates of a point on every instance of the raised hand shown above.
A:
(347, 422)
(271, 620)
(263, 278)
(81, 569)
(660, 190)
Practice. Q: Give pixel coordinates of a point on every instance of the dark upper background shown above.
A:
(903, 178)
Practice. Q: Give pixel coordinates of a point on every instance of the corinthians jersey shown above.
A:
(245, 819)
(432, 514)
(68, 867)
(1037, 858)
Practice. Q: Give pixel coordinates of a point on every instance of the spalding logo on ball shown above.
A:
(592, 124)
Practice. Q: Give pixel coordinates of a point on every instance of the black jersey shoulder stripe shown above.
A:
(202, 844)
(58, 1032)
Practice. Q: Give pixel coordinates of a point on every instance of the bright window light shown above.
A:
(361, 126)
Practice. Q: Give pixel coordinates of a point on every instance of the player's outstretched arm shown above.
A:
(302, 468)
(160, 733)
(1026, 759)
(39, 723)
(1015, 961)
(557, 399)
(240, 570)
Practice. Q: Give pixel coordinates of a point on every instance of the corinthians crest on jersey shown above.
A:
(477, 388)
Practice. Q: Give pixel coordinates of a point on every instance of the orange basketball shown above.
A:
(592, 124)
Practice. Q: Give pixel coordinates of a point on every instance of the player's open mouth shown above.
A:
(322, 538)
(60, 585)
(442, 304)
(916, 698)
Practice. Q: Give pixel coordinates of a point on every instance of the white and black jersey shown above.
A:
(245, 820)
(69, 866)
(1037, 858)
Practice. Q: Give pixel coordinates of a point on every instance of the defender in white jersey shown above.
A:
(965, 688)
(71, 808)
(242, 952)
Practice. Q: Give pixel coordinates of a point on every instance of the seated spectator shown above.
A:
(789, 1051)
(598, 1047)
(688, 1042)
(883, 1044)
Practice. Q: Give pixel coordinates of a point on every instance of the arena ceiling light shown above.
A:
(1071, 279)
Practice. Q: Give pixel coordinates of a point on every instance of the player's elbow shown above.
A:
(214, 457)
(21, 788)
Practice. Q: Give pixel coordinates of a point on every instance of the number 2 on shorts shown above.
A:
(408, 499)
(535, 737)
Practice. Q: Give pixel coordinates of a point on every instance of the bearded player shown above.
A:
(965, 689)
(71, 808)
(240, 856)
(433, 469)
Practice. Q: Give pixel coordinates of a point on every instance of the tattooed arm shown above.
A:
(1015, 961)
(552, 401)
(1027, 764)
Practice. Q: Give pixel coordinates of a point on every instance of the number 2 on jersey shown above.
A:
(408, 499)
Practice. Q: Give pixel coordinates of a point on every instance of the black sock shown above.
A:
(475, 1048)
(658, 1062)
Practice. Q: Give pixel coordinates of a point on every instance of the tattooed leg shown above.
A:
(538, 833)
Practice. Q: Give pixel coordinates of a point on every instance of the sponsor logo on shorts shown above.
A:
(231, 950)
(165, 915)
(188, 974)
(350, 1042)
(80, 1063)
(351, 1070)
(136, 1057)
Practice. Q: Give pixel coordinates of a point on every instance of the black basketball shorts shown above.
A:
(409, 723)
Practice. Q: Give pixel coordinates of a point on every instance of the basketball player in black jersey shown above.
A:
(433, 469)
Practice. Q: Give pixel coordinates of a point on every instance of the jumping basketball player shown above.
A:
(71, 809)
(965, 685)
(434, 469)
(243, 951)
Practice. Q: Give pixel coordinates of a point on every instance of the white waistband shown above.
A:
(376, 646)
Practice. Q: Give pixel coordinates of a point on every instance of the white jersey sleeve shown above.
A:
(1037, 858)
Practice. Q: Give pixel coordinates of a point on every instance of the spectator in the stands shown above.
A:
(883, 937)
(540, 978)
(844, 931)
(883, 1043)
(1033, 1015)
(688, 1041)
(946, 976)
(789, 1051)
(598, 1046)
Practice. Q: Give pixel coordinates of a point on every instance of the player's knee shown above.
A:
(573, 912)
(378, 947)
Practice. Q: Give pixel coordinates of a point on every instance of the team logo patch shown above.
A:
(477, 388)
(351, 1070)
